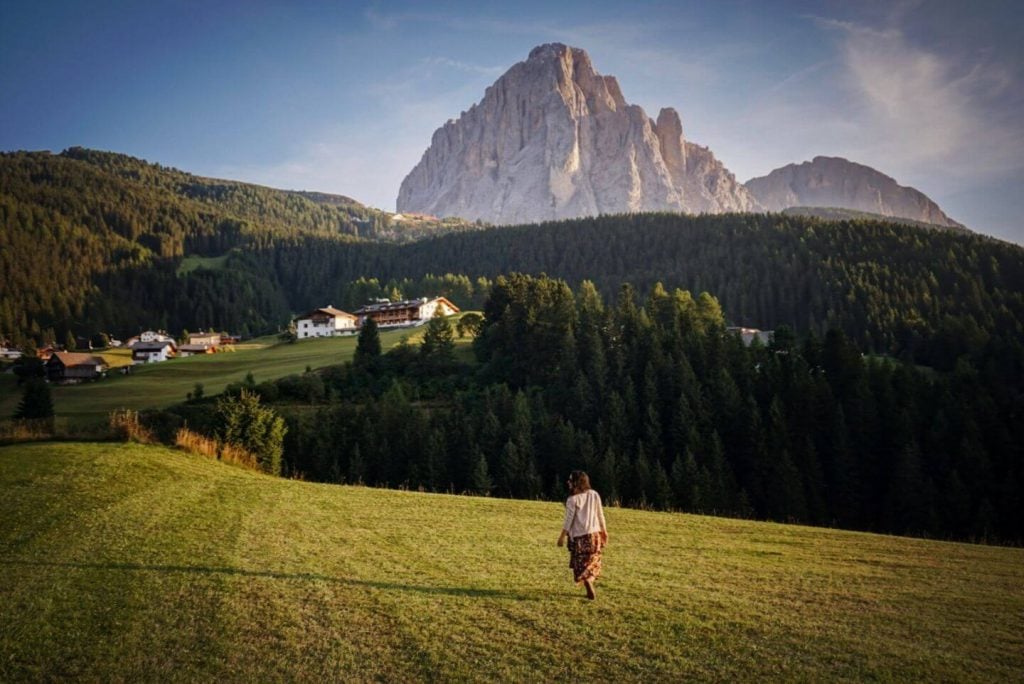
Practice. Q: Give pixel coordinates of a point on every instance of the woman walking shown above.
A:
(585, 528)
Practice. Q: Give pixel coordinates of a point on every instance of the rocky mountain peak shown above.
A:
(551, 139)
(839, 182)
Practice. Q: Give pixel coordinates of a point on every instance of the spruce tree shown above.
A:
(257, 429)
(480, 481)
(36, 401)
(368, 346)
(438, 347)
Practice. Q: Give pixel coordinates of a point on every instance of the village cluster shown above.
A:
(64, 366)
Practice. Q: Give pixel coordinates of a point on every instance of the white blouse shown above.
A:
(583, 514)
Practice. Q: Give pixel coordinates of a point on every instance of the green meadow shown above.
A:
(192, 263)
(127, 562)
(162, 384)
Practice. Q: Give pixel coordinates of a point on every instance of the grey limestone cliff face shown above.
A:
(554, 139)
(837, 182)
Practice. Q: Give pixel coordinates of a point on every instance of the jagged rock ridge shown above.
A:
(837, 182)
(554, 139)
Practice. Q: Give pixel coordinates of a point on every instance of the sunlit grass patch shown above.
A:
(129, 561)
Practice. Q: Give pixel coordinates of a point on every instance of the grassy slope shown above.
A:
(191, 263)
(128, 562)
(162, 384)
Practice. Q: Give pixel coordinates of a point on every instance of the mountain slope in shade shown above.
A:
(837, 182)
(554, 139)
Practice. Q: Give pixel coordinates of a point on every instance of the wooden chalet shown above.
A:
(75, 367)
(193, 349)
(406, 313)
(209, 339)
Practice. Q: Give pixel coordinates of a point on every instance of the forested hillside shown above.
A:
(673, 413)
(95, 242)
(925, 295)
(91, 242)
(664, 409)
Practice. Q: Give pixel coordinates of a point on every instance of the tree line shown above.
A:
(95, 242)
(667, 410)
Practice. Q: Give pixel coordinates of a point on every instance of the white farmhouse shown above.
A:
(325, 322)
(153, 352)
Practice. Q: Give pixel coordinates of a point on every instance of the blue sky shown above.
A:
(343, 97)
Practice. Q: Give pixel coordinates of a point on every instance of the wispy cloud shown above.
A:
(445, 62)
(922, 108)
(874, 89)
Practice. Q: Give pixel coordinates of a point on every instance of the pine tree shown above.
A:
(438, 347)
(480, 481)
(356, 466)
(685, 486)
(258, 429)
(36, 402)
(661, 490)
(368, 346)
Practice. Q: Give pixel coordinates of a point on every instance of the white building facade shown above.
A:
(152, 352)
(153, 336)
(325, 322)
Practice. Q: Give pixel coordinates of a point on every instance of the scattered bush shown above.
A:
(195, 443)
(125, 424)
(31, 430)
(162, 424)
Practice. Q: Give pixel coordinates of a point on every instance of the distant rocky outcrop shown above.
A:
(554, 139)
(837, 182)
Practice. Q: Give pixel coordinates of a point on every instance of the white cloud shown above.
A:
(919, 107)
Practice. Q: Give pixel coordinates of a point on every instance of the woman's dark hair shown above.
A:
(578, 482)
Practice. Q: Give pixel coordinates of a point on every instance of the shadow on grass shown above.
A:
(270, 574)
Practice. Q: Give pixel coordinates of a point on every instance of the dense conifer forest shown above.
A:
(891, 399)
(667, 410)
(919, 294)
(98, 242)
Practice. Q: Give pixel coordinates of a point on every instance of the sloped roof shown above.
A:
(152, 346)
(329, 311)
(405, 304)
(69, 359)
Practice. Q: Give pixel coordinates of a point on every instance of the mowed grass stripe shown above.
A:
(154, 564)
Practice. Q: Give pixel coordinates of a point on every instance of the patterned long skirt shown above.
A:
(585, 557)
